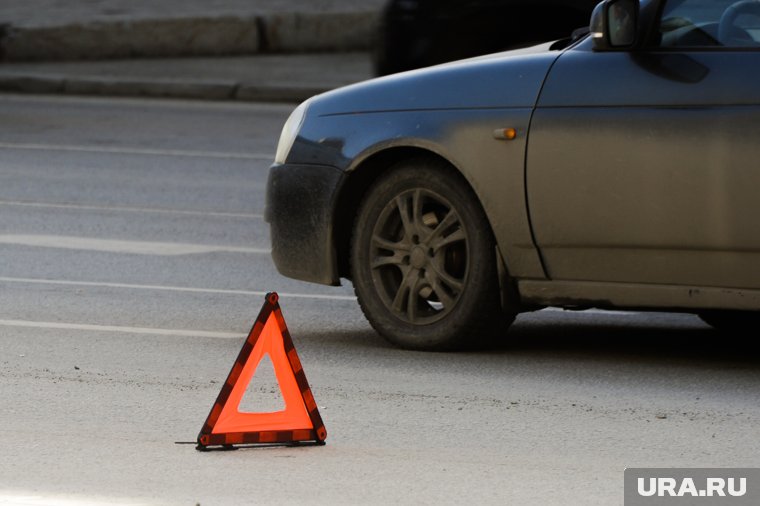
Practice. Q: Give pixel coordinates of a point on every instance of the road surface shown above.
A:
(133, 260)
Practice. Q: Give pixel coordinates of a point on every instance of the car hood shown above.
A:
(508, 79)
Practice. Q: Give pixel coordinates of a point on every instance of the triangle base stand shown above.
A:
(269, 438)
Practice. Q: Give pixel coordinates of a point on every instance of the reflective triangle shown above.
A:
(298, 422)
(294, 416)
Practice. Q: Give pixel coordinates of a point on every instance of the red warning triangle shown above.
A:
(298, 422)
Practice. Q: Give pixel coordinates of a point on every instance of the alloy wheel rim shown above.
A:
(419, 256)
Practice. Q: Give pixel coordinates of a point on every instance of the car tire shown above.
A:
(423, 260)
(732, 321)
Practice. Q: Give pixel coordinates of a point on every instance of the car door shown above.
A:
(644, 167)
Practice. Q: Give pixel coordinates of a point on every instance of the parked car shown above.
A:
(420, 33)
(618, 172)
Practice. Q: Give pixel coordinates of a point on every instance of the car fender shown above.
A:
(455, 111)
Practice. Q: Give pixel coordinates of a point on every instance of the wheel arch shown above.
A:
(361, 177)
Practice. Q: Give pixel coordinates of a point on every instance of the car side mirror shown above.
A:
(614, 24)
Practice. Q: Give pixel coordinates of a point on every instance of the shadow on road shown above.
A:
(633, 338)
(650, 337)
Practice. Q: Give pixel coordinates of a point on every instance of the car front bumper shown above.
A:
(299, 208)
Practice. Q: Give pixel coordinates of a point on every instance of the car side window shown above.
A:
(710, 24)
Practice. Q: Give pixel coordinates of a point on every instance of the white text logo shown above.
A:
(714, 487)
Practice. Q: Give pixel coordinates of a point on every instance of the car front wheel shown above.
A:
(423, 260)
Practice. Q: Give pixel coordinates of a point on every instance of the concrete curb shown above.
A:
(209, 36)
(158, 88)
(154, 38)
(310, 32)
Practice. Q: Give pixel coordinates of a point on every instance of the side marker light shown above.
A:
(505, 134)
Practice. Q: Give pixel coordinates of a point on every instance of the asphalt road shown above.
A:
(134, 257)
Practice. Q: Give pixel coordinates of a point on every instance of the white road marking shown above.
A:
(120, 246)
(90, 207)
(137, 151)
(32, 499)
(117, 328)
(248, 293)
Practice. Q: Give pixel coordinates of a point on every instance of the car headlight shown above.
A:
(290, 132)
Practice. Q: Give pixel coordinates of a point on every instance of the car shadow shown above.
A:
(651, 337)
(614, 337)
